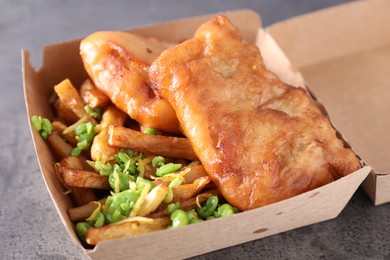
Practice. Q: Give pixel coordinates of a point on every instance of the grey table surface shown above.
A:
(30, 227)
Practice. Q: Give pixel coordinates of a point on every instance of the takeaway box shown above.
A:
(343, 54)
(62, 61)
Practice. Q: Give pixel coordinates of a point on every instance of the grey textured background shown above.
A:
(30, 228)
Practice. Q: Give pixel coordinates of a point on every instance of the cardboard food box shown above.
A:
(63, 61)
(344, 55)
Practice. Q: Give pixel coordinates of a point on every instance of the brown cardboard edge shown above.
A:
(270, 52)
(30, 79)
(252, 21)
(369, 186)
(382, 194)
(321, 20)
(377, 187)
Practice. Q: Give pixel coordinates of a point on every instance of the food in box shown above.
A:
(291, 213)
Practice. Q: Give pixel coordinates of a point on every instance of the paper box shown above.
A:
(62, 60)
(344, 54)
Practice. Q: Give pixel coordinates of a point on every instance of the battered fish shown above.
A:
(118, 64)
(260, 140)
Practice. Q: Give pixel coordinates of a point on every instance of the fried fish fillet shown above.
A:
(260, 140)
(118, 63)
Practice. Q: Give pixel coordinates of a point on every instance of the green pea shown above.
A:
(193, 216)
(90, 128)
(208, 209)
(122, 178)
(47, 128)
(158, 161)
(129, 153)
(85, 131)
(141, 182)
(152, 131)
(36, 122)
(195, 220)
(108, 217)
(176, 182)
(114, 217)
(224, 210)
(123, 202)
(80, 129)
(168, 168)
(122, 157)
(75, 152)
(103, 168)
(81, 229)
(42, 125)
(179, 218)
(171, 207)
(84, 135)
(169, 197)
(127, 162)
(108, 203)
(95, 113)
(99, 221)
(131, 167)
(83, 145)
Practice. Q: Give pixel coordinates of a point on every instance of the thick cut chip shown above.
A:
(100, 150)
(80, 196)
(187, 191)
(70, 97)
(169, 146)
(259, 139)
(82, 179)
(129, 228)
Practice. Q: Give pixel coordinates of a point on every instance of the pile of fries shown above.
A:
(123, 181)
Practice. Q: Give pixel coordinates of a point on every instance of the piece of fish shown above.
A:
(259, 139)
(118, 64)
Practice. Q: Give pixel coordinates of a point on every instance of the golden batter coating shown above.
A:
(260, 140)
(118, 64)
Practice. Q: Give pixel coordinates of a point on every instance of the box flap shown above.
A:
(343, 53)
(36, 97)
(248, 21)
(276, 61)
